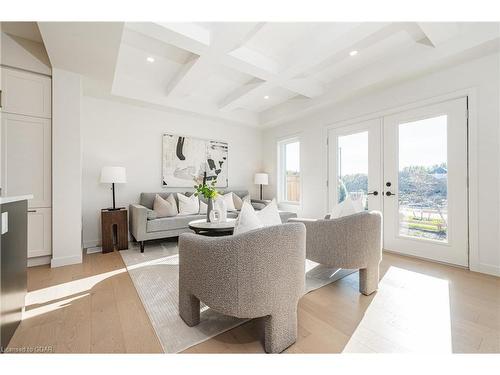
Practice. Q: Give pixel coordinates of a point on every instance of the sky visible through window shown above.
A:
(292, 152)
(421, 143)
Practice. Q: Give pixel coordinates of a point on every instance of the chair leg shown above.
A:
(280, 330)
(189, 308)
(368, 279)
(142, 246)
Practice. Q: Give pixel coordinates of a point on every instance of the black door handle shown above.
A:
(389, 193)
(373, 193)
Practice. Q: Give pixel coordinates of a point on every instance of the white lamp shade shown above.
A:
(261, 179)
(115, 175)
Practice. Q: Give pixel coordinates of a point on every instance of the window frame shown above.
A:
(281, 175)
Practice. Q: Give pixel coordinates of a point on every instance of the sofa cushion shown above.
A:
(147, 199)
(188, 205)
(171, 223)
(238, 202)
(165, 207)
(239, 193)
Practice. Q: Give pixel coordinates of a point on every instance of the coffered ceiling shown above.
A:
(258, 74)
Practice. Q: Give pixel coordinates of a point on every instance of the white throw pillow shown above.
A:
(247, 220)
(238, 202)
(269, 215)
(347, 207)
(228, 200)
(165, 207)
(188, 205)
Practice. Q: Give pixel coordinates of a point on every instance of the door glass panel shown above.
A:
(423, 179)
(353, 168)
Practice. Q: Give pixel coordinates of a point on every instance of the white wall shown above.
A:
(66, 169)
(482, 74)
(116, 133)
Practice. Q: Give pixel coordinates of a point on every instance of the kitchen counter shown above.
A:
(13, 263)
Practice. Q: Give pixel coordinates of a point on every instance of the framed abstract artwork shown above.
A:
(185, 159)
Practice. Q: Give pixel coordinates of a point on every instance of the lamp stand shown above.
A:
(114, 205)
(260, 191)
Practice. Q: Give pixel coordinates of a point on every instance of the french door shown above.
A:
(416, 161)
(355, 164)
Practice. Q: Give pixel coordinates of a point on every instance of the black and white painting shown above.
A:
(185, 159)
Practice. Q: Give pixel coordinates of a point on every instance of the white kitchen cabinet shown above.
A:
(26, 93)
(39, 232)
(26, 158)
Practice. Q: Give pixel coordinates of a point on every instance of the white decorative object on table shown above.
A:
(221, 206)
(215, 216)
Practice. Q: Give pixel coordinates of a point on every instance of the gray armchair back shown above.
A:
(350, 242)
(260, 273)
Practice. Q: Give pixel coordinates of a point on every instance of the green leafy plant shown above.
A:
(206, 190)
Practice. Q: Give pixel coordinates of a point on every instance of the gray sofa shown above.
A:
(143, 228)
(350, 242)
(255, 274)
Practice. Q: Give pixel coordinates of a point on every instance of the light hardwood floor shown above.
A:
(94, 308)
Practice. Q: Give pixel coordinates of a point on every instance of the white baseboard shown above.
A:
(39, 261)
(94, 249)
(65, 261)
(93, 243)
(489, 269)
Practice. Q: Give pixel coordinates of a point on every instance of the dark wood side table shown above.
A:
(114, 225)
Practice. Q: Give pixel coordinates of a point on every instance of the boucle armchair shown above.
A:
(260, 273)
(350, 242)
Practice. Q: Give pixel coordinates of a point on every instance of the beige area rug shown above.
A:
(155, 276)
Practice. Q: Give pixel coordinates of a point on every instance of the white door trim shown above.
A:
(472, 160)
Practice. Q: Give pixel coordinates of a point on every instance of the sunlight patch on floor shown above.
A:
(68, 289)
(409, 313)
(30, 313)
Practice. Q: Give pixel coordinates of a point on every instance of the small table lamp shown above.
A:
(261, 179)
(113, 175)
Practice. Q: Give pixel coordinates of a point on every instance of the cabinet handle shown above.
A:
(31, 210)
(0, 99)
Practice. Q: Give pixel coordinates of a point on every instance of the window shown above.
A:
(289, 171)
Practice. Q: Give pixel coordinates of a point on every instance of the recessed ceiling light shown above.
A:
(266, 97)
(353, 53)
(151, 59)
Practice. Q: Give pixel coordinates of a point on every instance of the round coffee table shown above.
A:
(212, 229)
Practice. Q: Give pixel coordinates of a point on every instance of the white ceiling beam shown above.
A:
(224, 46)
(242, 90)
(304, 86)
(312, 53)
(189, 30)
(407, 65)
(224, 38)
(437, 33)
(171, 36)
